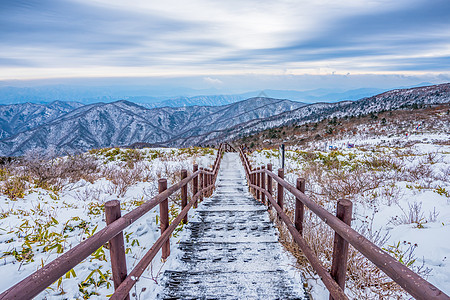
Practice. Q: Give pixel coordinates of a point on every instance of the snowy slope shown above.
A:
(400, 190)
(17, 118)
(56, 213)
(315, 112)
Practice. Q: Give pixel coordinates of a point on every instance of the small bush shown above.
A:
(14, 187)
(413, 215)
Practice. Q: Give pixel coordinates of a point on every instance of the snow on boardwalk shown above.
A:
(230, 248)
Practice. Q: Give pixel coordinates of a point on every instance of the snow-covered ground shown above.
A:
(400, 189)
(39, 221)
(399, 185)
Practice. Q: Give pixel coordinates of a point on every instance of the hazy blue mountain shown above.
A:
(213, 100)
(312, 96)
(152, 97)
(88, 94)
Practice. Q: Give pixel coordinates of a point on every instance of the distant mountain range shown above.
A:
(121, 123)
(312, 96)
(71, 127)
(149, 98)
(391, 100)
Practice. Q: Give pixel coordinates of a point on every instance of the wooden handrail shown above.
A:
(407, 279)
(329, 282)
(123, 290)
(32, 285)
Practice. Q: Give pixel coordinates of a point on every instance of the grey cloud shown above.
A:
(111, 37)
(413, 29)
(51, 23)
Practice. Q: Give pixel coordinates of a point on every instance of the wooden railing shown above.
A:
(260, 183)
(203, 183)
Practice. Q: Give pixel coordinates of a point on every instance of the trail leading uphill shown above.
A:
(230, 250)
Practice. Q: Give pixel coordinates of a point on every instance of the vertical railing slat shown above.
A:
(202, 183)
(263, 185)
(299, 206)
(280, 189)
(164, 217)
(269, 185)
(184, 195)
(258, 183)
(340, 247)
(195, 184)
(116, 245)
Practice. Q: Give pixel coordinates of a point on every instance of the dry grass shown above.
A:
(371, 181)
(364, 280)
(432, 119)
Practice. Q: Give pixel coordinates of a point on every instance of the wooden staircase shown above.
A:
(230, 249)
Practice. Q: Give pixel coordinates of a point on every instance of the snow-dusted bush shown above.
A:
(395, 191)
(50, 204)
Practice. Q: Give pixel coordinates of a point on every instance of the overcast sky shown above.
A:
(226, 44)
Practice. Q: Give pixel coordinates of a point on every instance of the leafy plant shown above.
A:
(403, 256)
(93, 281)
(59, 286)
(442, 191)
(99, 254)
(14, 187)
(95, 208)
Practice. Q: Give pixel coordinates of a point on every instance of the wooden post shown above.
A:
(202, 184)
(269, 185)
(254, 182)
(116, 246)
(263, 185)
(280, 189)
(184, 195)
(299, 206)
(251, 181)
(210, 183)
(164, 216)
(258, 183)
(195, 184)
(340, 247)
(207, 182)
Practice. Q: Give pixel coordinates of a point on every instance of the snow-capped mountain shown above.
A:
(123, 123)
(70, 127)
(390, 100)
(17, 118)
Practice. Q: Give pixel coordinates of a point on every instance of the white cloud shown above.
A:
(213, 81)
(212, 38)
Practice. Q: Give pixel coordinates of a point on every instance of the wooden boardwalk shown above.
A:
(230, 249)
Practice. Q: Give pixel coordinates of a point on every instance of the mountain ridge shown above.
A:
(317, 111)
(121, 123)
